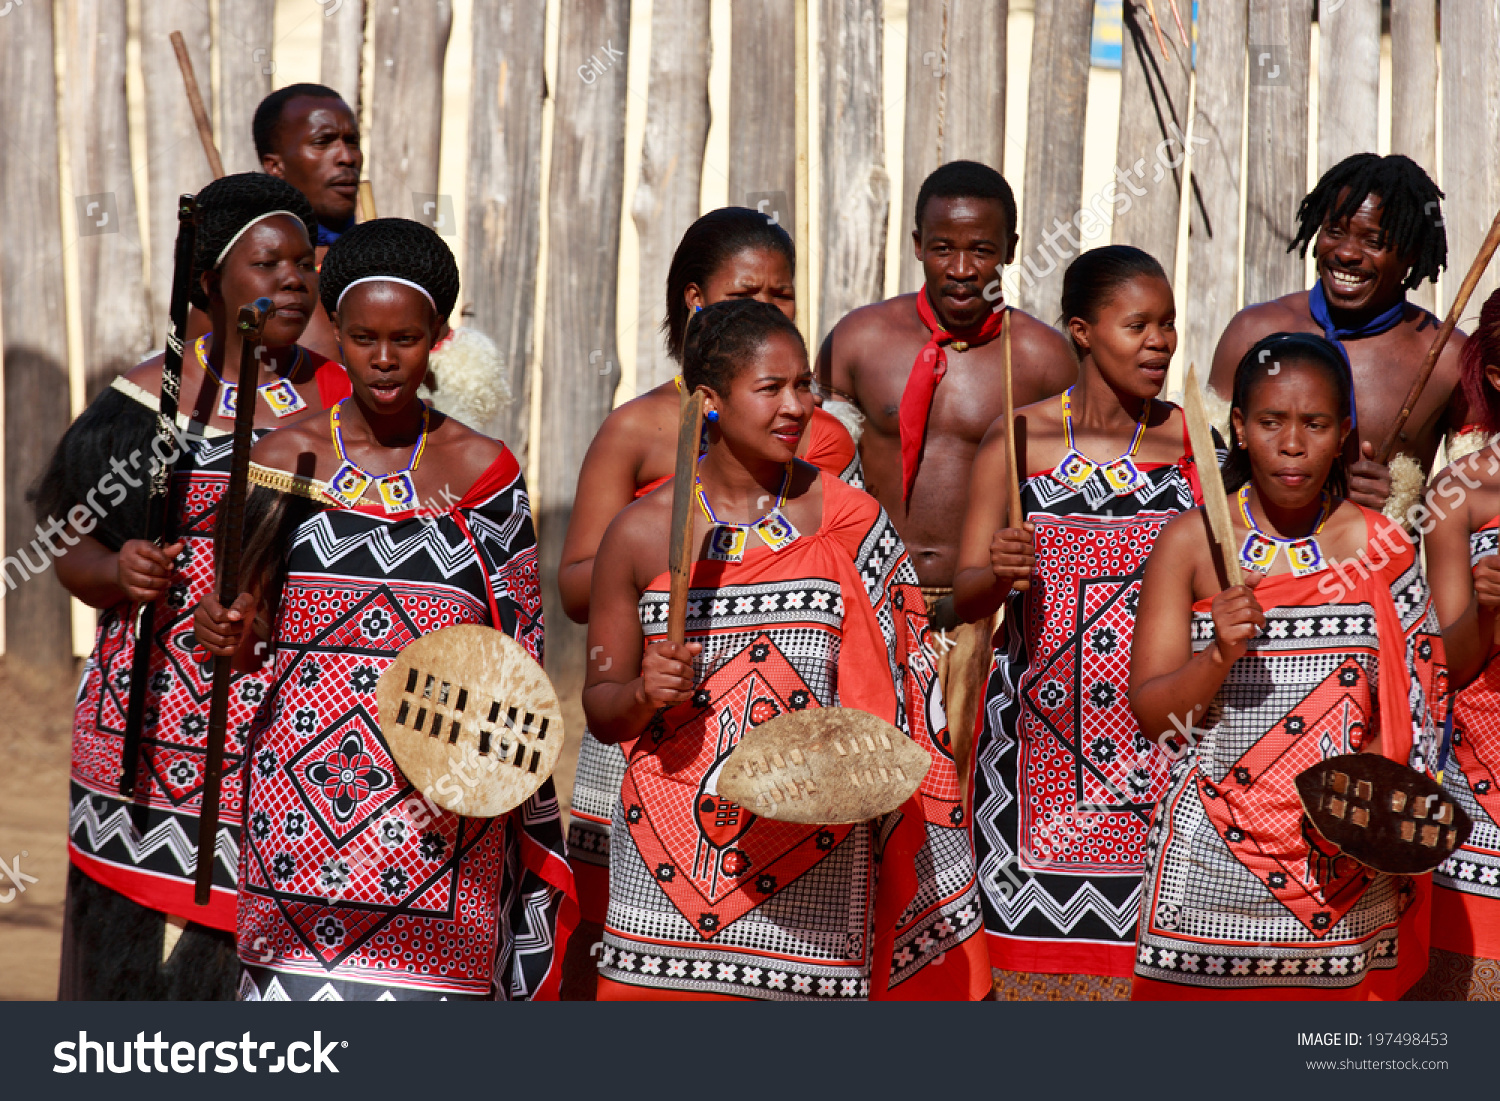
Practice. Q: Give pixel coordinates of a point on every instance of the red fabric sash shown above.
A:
(926, 373)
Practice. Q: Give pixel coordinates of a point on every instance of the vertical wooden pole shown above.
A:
(246, 62)
(579, 361)
(1414, 87)
(1213, 270)
(1056, 103)
(1152, 143)
(344, 48)
(503, 235)
(666, 197)
(1348, 81)
(406, 109)
(117, 313)
(1280, 40)
(1471, 121)
(762, 110)
(175, 164)
(955, 97)
(38, 629)
(856, 192)
(802, 167)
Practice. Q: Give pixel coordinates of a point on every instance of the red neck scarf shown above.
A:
(926, 373)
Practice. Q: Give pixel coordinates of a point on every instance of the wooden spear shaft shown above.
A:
(195, 101)
(1455, 311)
(689, 431)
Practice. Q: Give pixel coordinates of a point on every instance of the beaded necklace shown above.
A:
(279, 394)
(1258, 552)
(1076, 468)
(397, 491)
(726, 541)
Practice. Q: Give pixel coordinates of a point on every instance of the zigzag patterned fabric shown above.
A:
(1065, 782)
(1466, 887)
(354, 886)
(710, 901)
(1242, 899)
(148, 851)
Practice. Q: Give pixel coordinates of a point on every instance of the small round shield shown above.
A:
(823, 766)
(1383, 814)
(471, 719)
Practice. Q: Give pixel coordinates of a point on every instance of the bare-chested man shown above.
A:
(1375, 225)
(308, 136)
(965, 230)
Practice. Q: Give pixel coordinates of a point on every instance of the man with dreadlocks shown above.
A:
(370, 526)
(308, 136)
(1375, 226)
(131, 928)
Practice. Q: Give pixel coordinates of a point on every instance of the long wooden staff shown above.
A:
(1215, 501)
(195, 101)
(227, 551)
(158, 494)
(364, 200)
(1013, 482)
(689, 432)
(1460, 300)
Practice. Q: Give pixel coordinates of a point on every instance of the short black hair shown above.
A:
(268, 113)
(1264, 359)
(966, 180)
(721, 337)
(231, 203)
(1480, 350)
(1094, 275)
(396, 247)
(708, 244)
(1411, 215)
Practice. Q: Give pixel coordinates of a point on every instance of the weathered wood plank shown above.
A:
(1471, 158)
(406, 108)
(1055, 108)
(116, 314)
(955, 97)
(856, 191)
(579, 361)
(1214, 217)
(1414, 89)
(1280, 39)
(247, 42)
(1348, 81)
(175, 162)
(38, 628)
(762, 106)
(1152, 141)
(342, 59)
(503, 237)
(666, 197)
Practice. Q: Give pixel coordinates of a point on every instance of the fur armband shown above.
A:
(847, 414)
(1407, 480)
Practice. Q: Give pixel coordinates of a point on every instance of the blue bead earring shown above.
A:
(697, 309)
(711, 416)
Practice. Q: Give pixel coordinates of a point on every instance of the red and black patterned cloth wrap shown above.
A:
(1064, 781)
(147, 850)
(709, 901)
(353, 885)
(601, 767)
(1242, 899)
(1466, 895)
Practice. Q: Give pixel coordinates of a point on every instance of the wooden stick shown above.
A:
(1215, 501)
(158, 494)
(1161, 39)
(1181, 34)
(803, 228)
(365, 201)
(228, 548)
(1455, 311)
(1013, 481)
(689, 432)
(195, 101)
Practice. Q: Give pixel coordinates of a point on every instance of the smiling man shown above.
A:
(1375, 225)
(308, 136)
(926, 371)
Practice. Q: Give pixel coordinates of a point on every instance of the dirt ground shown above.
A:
(34, 749)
